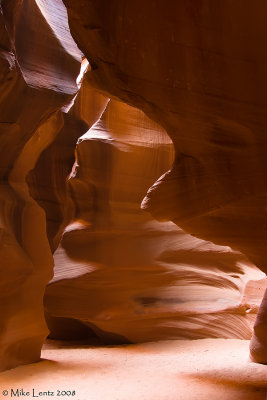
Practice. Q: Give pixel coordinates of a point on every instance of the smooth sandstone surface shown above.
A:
(33, 89)
(140, 177)
(124, 275)
(197, 68)
(48, 180)
(206, 87)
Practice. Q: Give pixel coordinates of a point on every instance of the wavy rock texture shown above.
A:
(198, 68)
(122, 276)
(47, 181)
(37, 77)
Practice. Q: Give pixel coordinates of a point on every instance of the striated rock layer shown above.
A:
(38, 71)
(47, 180)
(122, 276)
(198, 68)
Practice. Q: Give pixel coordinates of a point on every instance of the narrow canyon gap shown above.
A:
(183, 134)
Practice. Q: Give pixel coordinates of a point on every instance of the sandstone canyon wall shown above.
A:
(75, 167)
(197, 68)
(38, 78)
(124, 277)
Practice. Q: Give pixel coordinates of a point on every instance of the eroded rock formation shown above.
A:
(198, 68)
(38, 78)
(123, 274)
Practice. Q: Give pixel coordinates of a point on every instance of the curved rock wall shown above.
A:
(122, 276)
(48, 180)
(198, 68)
(32, 91)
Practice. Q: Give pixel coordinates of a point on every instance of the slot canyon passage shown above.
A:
(133, 199)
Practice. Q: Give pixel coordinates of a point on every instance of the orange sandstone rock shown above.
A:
(33, 88)
(122, 276)
(199, 69)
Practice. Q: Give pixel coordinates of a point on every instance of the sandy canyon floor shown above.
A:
(169, 370)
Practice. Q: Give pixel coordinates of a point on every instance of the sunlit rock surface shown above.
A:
(48, 180)
(199, 69)
(37, 77)
(124, 275)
